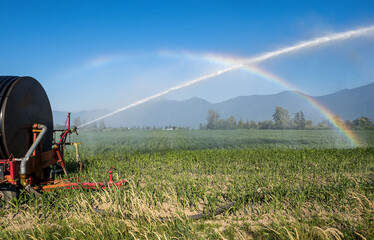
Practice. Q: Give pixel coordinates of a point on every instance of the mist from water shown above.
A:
(254, 60)
(183, 85)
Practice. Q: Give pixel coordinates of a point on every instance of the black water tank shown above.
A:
(23, 103)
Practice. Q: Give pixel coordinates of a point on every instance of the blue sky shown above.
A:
(107, 54)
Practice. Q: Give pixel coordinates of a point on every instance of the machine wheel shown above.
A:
(8, 192)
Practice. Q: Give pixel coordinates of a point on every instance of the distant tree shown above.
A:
(323, 125)
(213, 117)
(241, 124)
(246, 124)
(363, 123)
(281, 118)
(253, 125)
(296, 120)
(299, 120)
(220, 124)
(267, 124)
(231, 123)
(308, 124)
(302, 120)
(349, 123)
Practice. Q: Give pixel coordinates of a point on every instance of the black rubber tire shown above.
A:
(8, 192)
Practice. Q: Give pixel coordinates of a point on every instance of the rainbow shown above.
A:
(234, 63)
(259, 72)
(338, 124)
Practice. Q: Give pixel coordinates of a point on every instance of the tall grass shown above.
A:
(304, 193)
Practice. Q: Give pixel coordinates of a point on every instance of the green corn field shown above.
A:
(282, 184)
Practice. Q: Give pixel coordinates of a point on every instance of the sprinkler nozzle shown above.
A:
(74, 129)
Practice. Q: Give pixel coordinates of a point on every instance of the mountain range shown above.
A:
(348, 104)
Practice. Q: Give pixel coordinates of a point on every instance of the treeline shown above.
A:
(281, 120)
(360, 123)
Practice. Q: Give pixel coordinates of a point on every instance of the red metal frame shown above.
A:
(66, 183)
(37, 162)
(34, 164)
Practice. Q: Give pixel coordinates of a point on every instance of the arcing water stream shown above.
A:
(183, 85)
(260, 58)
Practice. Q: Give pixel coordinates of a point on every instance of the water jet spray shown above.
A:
(250, 61)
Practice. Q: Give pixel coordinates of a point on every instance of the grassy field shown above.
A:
(155, 141)
(298, 185)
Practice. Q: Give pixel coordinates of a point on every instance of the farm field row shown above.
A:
(158, 140)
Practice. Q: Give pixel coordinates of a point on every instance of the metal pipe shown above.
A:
(33, 191)
(32, 148)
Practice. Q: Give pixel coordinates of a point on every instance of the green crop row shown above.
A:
(149, 141)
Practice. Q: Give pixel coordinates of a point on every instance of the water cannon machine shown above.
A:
(29, 153)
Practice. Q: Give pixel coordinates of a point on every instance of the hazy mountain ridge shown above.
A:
(348, 104)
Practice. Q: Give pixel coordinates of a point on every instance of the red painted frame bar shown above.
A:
(84, 185)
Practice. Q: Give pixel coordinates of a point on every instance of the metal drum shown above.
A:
(23, 103)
